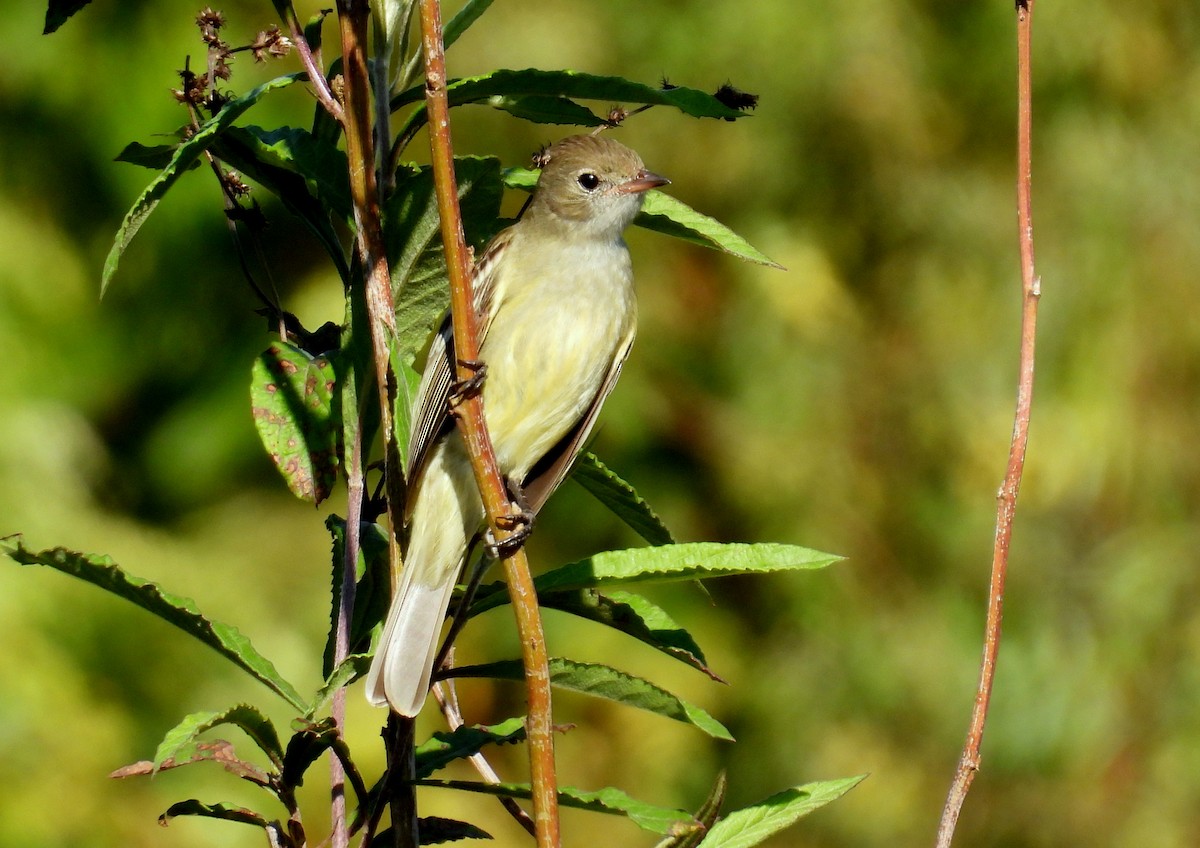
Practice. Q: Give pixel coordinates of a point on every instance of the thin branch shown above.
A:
(1006, 499)
(312, 64)
(471, 423)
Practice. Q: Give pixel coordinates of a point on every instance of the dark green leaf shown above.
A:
(311, 740)
(754, 824)
(58, 11)
(291, 397)
(620, 498)
(312, 29)
(156, 157)
(541, 109)
(434, 830)
(601, 681)
(463, 19)
(322, 165)
(228, 812)
(634, 615)
(576, 85)
(607, 800)
(349, 670)
(372, 594)
(185, 155)
(414, 244)
(181, 741)
(444, 747)
(181, 612)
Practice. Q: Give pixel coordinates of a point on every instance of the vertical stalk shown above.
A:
(1006, 498)
(471, 423)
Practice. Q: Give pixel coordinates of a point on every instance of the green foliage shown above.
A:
(310, 395)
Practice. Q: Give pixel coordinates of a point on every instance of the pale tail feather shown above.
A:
(403, 663)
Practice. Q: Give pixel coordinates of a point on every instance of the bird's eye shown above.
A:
(589, 181)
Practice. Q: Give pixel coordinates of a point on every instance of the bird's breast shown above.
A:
(558, 328)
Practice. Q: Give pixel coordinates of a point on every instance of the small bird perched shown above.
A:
(557, 315)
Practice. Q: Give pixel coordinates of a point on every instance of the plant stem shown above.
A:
(311, 62)
(1006, 499)
(471, 423)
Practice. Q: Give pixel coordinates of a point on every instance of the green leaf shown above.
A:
(635, 616)
(620, 498)
(311, 740)
(349, 670)
(434, 830)
(181, 612)
(663, 213)
(690, 836)
(601, 681)
(322, 164)
(686, 561)
(372, 594)
(608, 800)
(185, 155)
(540, 109)
(463, 19)
(58, 11)
(181, 741)
(291, 397)
(444, 748)
(228, 812)
(754, 824)
(572, 84)
(156, 157)
(663, 564)
(412, 230)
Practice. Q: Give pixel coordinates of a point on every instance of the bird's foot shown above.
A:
(463, 390)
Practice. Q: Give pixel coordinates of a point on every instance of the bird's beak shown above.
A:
(644, 181)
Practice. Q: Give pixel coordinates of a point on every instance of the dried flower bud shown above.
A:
(735, 99)
(541, 159)
(270, 41)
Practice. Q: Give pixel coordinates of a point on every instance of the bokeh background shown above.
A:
(859, 402)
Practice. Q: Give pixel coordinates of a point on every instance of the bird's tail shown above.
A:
(403, 662)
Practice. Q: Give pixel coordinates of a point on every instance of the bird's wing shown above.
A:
(554, 467)
(431, 410)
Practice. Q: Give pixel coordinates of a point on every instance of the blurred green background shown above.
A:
(859, 402)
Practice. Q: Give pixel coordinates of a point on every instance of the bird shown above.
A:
(557, 318)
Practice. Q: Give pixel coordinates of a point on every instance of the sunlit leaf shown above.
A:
(541, 109)
(291, 397)
(601, 681)
(462, 20)
(754, 824)
(181, 612)
(573, 84)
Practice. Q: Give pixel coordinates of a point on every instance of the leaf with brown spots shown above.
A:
(292, 398)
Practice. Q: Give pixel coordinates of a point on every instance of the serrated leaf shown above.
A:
(601, 681)
(182, 741)
(291, 397)
(372, 592)
(181, 612)
(620, 498)
(218, 751)
(228, 812)
(321, 164)
(58, 11)
(754, 824)
(533, 82)
(665, 214)
(664, 564)
(311, 740)
(684, 561)
(607, 800)
(349, 670)
(540, 109)
(445, 747)
(635, 616)
(185, 154)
